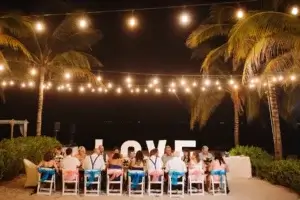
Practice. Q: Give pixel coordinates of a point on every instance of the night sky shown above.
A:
(157, 46)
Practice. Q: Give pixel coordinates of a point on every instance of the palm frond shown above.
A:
(78, 63)
(212, 56)
(69, 36)
(16, 24)
(8, 41)
(203, 106)
(206, 32)
(248, 31)
(252, 105)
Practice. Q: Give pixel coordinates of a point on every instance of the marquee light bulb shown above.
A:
(184, 19)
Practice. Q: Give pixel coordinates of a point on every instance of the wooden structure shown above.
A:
(22, 123)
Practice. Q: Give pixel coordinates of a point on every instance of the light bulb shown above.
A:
(173, 84)
(184, 19)
(100, 89)
(293, 77)
(146, 91)
(128, 79)
(137, 90)
(280, 78)
(187, 90)
(67, 75)
(219, 88)
(39, 26)
(11, 83)
(1, 67)
(217, 83)
(295, 10)
(82, 23)
(119, 90)
(231, 82)
(132, 22)
(194, 84)
(155, 81)
(99, 78)
(33, 72)
(109, 85)
(89, 85)
(203, 89)
(182, 82)
(240, 14)
(207, 82)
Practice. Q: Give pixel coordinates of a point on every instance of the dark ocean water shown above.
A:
(117, 119)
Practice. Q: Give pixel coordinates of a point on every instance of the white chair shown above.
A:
(139, 191)
(218, 184)
(70, 177)
(92, 178)
(181, 183)
(46, 178)
(158, 181)
(114, 178)
(197, 177)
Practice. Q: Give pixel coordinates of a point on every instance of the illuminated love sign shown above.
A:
(179, 144)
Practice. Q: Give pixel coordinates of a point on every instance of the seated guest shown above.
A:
(176, 164)
(205, 155)
(196, 162)
(167, 155)
(81, 154)
(103, 154)
(94, 161)
(70, 162)
(217, 168)
(186, 157)
(154, 162)
(48, 161)
(131, 154)
(58, 155)
(218, 164)
(116, 162)
(138, 162)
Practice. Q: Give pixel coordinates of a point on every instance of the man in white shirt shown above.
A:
(94, 161)
(70, 162)
(176, 164)
(103, 154)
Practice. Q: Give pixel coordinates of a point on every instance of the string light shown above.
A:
(82, 23)
(219, 88)
(11, 83)
(207, 82)
(132, 22)
(128, 79)
(184, 19)
(81, 89)
(173, 84)
(119, 90)
(1, 67)
(129, 85)
(4, 83)
(158, 90)
(109, 85)
(137, 90)
(99, 78)
(67, 75)
(39, 26)
(240, 14)
(155, 81)
(23, 85)
(33, 72)
(203, 89)
(89, 85)
(150, 85)
(146, 91)
(295, 10)
(31, 84)
(217, 83)
(235, 87)
(194, 84)
(182, 82)
(100, 89)
(231, 82)
(293, 77)
(280, 78)
(187, 90)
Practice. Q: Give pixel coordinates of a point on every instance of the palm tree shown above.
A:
(267, 43)
(55, 53)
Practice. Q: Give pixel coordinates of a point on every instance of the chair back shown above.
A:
(70, 175)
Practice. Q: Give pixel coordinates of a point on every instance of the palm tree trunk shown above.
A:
(236, 120)
(275, 122)
(236, 126)
(40, 102)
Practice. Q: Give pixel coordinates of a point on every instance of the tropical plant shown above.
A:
(53, 53)
(267, 43)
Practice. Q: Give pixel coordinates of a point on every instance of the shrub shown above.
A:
(12, 153)
(281, 172)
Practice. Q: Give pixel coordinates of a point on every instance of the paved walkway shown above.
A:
(242, 189)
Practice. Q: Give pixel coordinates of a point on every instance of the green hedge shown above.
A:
(12, 153)
(281, 172)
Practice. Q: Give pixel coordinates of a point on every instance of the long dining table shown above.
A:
(239, 167)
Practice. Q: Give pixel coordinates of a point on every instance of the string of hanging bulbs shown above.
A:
(156, 84)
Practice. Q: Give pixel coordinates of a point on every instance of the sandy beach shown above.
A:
(241, 189)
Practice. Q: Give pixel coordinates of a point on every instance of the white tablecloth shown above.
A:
(239, 167)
